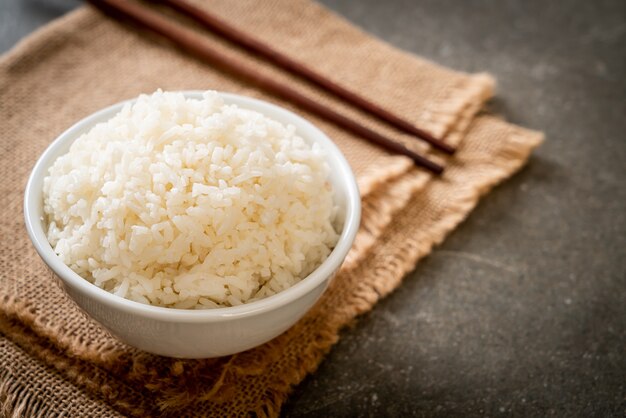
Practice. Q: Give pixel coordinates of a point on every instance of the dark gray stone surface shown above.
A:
(522, 311)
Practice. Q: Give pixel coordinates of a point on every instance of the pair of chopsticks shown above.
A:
(193, 42)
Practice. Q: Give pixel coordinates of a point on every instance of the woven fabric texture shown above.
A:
(55, 361)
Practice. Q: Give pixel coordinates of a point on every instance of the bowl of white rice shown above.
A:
(193, 224)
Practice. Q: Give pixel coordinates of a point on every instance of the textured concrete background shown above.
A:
(522, 311)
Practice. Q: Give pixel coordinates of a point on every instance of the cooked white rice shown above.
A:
(190, 203)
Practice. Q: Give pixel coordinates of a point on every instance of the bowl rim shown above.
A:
(37, 235)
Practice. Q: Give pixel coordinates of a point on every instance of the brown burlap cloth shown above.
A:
(56, 361)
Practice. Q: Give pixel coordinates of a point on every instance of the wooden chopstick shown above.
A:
(226, 30)
(192, 42)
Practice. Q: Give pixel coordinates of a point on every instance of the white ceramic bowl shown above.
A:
(197, 333)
